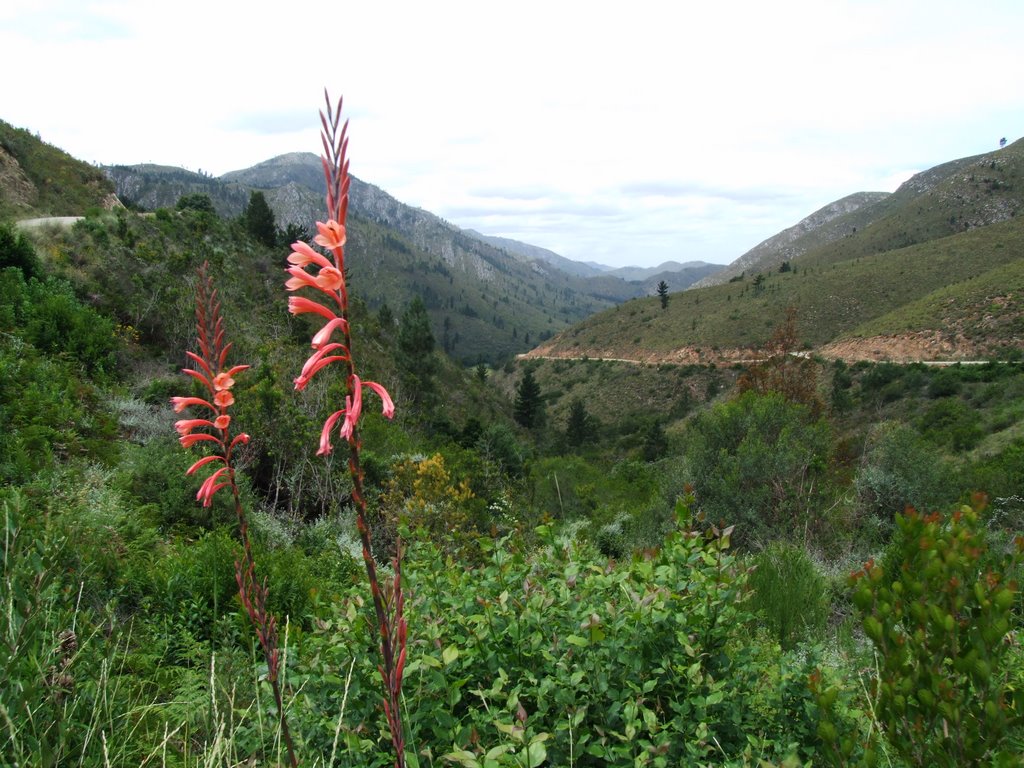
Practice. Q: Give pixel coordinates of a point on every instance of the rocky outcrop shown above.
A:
(16, 189)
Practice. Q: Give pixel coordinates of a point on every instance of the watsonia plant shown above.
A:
(328, 278)
(215, 430)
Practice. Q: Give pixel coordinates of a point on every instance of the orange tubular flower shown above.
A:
(212, 372)
(332, 235)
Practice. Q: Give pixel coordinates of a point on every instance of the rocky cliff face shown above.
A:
(159, 186)
(17, 192)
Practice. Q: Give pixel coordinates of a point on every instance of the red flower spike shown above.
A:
(330, 280)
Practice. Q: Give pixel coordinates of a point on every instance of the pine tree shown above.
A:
(663, 293)
(416, 345)
(580, 426)
(527, 409)
(259, 220)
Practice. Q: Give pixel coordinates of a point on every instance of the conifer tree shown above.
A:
(663, 293)
(580, 426)
(527, 409)
(416, 344)
(259, 220)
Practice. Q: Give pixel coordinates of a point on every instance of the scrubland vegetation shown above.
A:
(615, 565)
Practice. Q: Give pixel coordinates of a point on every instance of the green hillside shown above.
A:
(37, 179)
(839, 290)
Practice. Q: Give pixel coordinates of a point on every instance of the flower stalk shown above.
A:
(325, 274)
(214, 429)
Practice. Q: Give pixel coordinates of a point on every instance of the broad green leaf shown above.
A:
(449, 654)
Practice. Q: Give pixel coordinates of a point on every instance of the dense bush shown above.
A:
(940, 616)
(561, 656)
(759, 461)
(900, 469)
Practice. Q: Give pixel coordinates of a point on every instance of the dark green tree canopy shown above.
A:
(663, 293)
(579, 427)
(528, 405)
(258, 220)
(17, 251)
(196, 202)
(416, 347)
(415, 339)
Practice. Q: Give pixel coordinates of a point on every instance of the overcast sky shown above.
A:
(610, 132)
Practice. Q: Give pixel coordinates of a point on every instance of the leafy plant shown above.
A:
(939, 618)
(789, 593)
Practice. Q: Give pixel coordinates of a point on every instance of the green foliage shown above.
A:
(901, 469)
(951, 423)
(151, 477)
(258, 220)
(789, 593)
(416, 347)
(49, 411)
(17, 251)
(58, 323)
(580, 427)
(841, 401)
(939, 619)
(663, 293)
(529, 408)
(197, 201)
(599, 665)
(655, 442)
(759, 460)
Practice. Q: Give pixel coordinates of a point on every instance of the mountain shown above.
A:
(485, 303)
(826, 225)
(933, 271)
(534, 253)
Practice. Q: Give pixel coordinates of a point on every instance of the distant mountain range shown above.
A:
(934, 269)
(488, 297)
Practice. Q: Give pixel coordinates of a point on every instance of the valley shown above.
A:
(774, 520)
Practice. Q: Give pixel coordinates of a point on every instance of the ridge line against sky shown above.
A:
(666, 131)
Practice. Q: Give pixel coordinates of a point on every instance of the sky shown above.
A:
(619, 134)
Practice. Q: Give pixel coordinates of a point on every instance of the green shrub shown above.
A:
(760, 461)
(789, 593)
(16, 251)
(951, 423)
(939, 619)
(900, 469)
(648, 662)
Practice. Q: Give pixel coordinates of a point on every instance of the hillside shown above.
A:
(929, 272)
(37, 179)
(826, 225)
